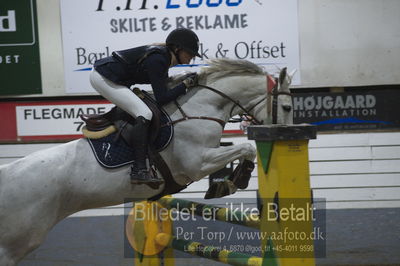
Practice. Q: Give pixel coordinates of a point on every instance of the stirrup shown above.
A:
(145, 176)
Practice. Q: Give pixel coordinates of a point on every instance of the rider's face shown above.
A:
(185, 57)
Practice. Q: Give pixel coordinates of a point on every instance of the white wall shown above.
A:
(353, 170)
(349, 42)
(50, 47)
(358, 170)
(342, 43)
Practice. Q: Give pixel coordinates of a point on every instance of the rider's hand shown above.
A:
(191, 80)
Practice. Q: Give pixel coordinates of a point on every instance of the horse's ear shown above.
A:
(282, 75)
(291, 74)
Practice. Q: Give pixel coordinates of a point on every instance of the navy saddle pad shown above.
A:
(113, 153)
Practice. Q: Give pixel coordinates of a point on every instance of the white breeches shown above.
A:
(120, 96)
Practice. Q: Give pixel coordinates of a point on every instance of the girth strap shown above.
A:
(171, 186)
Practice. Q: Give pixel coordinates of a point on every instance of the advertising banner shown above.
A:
(51, 120)
(19, 48)
(264, 32)
(363, 110)
(54, 120)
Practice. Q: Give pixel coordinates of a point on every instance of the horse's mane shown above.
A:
(223, 67)
(218, 68)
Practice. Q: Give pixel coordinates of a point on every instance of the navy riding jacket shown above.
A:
(141, 65)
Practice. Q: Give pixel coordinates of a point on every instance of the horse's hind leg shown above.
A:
(5, 258)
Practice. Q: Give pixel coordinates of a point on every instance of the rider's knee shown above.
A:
(94, 79)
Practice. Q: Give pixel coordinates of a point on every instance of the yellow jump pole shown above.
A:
(144, 223)
(209, 252)
(285, 194)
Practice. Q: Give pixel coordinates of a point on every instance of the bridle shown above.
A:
(246, 112)
(272, 97)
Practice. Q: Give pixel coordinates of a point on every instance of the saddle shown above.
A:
(100, 125)
(108, 136)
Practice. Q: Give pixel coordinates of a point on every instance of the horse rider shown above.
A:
(113, 76)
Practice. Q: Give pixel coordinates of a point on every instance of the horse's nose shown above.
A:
(287, 107)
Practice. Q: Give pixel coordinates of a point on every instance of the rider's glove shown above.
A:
(191, 80)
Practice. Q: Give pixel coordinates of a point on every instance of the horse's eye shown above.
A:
(287, 107)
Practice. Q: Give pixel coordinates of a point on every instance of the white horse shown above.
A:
(38, 191)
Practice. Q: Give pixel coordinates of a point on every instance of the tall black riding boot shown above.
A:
(140, 171)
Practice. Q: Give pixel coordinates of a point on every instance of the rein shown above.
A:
(235, 104)
(272, 87)
(186, 117)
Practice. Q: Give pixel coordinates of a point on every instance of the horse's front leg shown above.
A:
(214, 159)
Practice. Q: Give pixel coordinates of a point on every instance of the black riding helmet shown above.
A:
(184, 39)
